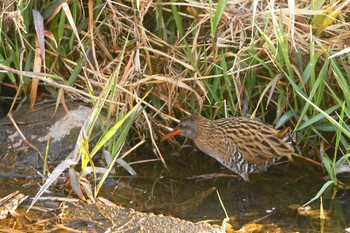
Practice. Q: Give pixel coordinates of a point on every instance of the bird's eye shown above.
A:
(185, 127)
(182, 127)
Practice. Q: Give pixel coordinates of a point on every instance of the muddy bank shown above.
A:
(119, 219)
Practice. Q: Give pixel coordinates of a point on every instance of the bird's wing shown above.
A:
(258, 147)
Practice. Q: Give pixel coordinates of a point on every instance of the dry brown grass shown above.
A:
(189, 69)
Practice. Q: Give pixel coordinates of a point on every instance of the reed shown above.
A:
(283, 64)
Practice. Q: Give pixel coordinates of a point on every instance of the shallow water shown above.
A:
(272, 197)
(188, 190)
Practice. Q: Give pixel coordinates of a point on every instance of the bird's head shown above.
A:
(188, 127)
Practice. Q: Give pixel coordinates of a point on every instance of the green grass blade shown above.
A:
(316, 118)
(178, 19)
(322, 190)
(128, 122)
(109, 134)
(329, 118)
(218, 13)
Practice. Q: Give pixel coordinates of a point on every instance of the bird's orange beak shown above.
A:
(171, 134)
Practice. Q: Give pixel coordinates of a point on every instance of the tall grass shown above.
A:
(211, 58)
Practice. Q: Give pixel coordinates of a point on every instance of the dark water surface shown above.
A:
(272, 197)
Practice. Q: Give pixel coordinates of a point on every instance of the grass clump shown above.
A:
(284, 64)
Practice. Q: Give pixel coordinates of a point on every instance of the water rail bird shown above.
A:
(240, 144)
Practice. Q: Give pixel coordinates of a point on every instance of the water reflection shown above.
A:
(270, 197)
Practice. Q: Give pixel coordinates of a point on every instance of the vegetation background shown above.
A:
(283, 62)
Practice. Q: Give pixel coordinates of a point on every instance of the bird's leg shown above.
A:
(308, 159)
